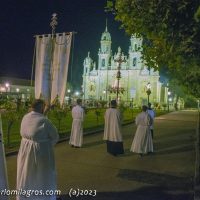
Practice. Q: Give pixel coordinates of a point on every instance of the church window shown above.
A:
(103, 62)
(134, 62)
(136, 47)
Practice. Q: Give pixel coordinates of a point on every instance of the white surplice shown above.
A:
(76, 138)
(142, 142)
(112, 128)
(35, 162)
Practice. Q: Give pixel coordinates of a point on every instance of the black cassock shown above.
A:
(115, 148)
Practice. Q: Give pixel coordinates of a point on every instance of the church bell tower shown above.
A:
(105, 50)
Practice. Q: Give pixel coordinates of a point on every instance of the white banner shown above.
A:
(3, 168)
(51, 66)
(42, 67)
(60, 66)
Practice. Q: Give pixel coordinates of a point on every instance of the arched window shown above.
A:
(136, 47)
(134, 62)
(103, 62)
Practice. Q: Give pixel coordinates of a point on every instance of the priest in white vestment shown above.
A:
(76, 138)
(35, 161)
(142, 142)
(112, 130)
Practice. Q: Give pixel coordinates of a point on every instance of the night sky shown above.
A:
(20, 20)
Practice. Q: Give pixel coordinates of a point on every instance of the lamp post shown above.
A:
(104, 93)
(168, 94)
(170, 100)
(119, 60)
(69, 96)
(148, 91)
(7, 88)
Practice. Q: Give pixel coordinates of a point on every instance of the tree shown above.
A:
(170, 31)
(12, 114)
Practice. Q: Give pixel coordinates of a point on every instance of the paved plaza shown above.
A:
(167, 174)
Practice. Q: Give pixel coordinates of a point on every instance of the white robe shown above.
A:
(142, 142)
(112, 128)
(35, 162)
(76, 137)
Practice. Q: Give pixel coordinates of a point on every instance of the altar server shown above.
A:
(35, 161)
(142, 142)
(112, 130)
(76, 138)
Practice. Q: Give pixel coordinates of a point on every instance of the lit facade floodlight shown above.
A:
(170, 99)
(104, 92)
(17, 89)
(169, 93)
(68, 90)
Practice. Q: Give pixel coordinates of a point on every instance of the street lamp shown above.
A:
(148, 91)
(168, 94)
(104, 92)
(7, 88)
(69, 96)
(77, 93)
(170, 99)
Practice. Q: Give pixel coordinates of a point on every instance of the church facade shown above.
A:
(102, 81)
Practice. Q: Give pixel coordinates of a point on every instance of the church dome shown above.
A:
(106, 35)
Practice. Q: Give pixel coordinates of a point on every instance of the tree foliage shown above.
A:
(171, 32)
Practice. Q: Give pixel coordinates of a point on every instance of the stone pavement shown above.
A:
(167, 174)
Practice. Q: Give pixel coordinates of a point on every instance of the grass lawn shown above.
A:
(91, 122)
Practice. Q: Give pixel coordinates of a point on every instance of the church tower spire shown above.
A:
(106, 26)
(105, 49)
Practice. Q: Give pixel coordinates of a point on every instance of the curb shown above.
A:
(13, 153)
(197, 162)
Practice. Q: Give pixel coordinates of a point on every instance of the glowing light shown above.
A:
(2, 89)
(77, 93)
(7, 85)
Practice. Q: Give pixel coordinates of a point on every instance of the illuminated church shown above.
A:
(100, 82)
